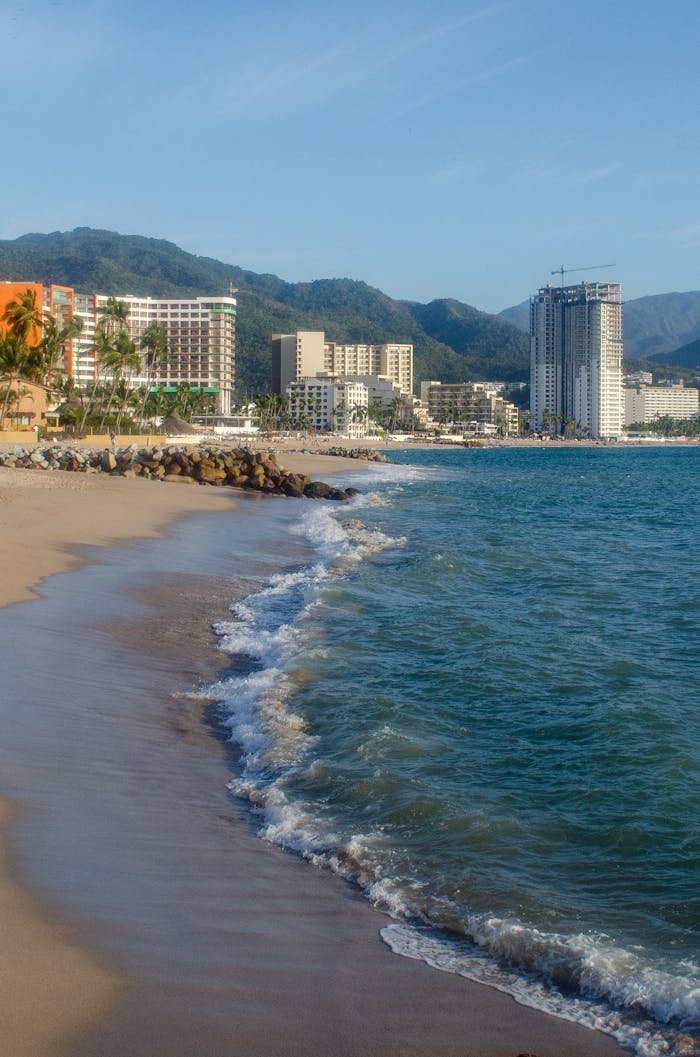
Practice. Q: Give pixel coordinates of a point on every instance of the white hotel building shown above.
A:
(307, 353)
(576, 358)
(201, 334)
(644, 403)
(327, 403)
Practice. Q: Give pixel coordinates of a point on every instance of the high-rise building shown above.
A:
(307, 353)
(576, 359)
(644, 403)
(201, 335)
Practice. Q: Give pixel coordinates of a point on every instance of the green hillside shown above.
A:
(661, 324)
(688, 356)
(452, 341)
(494, 349)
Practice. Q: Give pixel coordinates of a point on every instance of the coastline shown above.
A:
(305, 943)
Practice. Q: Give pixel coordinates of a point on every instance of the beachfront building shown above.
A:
(644, 403)
(307, 353)
(473, 406)
(52, 300)
(28, 406)
(201, 334)
(576, 359)
(328, 404)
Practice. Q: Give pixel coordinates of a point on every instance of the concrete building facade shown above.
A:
(329, 404)
(644, 403)
(307, 353)
(470, 403)
(576, 358)
(201, 335)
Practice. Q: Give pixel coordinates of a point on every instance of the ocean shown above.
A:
(473, 691)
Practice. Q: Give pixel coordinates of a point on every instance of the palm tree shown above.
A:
(155, 341)
(13, 365)
(159, 404)
(51, 350)
(375, 409)
(23, 316)
(103, 351)
(115, 315)
(124, 360)
(269, 407)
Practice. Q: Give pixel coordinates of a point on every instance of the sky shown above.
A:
(451, 149)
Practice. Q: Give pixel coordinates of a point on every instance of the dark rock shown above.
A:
(317, 490)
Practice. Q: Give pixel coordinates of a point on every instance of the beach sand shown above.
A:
(198, 937)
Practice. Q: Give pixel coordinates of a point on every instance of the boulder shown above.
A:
(208, 473)
(318, 490)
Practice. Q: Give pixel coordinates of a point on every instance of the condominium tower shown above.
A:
(201, 334)
(576, 358)
(307, 353)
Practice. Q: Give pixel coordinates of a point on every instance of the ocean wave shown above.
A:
(343, 541)
(583, 978)
(604, 977)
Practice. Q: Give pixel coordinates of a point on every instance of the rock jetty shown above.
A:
(368, 454)
(236, 467)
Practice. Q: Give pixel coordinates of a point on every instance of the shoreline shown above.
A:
(319, 909)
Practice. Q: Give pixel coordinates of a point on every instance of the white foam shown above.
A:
(270, 627)
(342, 541)
(606, 977)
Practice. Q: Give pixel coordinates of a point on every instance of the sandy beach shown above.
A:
(133, 929)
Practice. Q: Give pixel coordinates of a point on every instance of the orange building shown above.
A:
(10, 292)
(53, 300)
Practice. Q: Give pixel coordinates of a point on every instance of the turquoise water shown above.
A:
(480, 704)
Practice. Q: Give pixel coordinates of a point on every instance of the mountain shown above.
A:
(687, 356)
(661, 323)
(518, 315)
(495, 349)
(654, 326)
(452, 341)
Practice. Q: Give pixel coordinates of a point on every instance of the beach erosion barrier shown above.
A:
(259, 471)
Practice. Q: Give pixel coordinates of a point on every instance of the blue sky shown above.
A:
(434, 150)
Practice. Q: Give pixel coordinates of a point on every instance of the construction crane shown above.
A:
(591, 268)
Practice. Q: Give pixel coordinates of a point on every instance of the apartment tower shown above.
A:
(201, 335)
(307, 353)
(576, 359)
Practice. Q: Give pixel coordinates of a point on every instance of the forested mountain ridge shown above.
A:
(452, 341)
(687, 356)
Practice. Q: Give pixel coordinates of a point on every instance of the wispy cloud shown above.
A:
(301, 72)
(480, 77)
(538, 174)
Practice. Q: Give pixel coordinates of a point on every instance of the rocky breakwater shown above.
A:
(237, 467)
(369, 455)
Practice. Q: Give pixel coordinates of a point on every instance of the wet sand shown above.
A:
(191, 935)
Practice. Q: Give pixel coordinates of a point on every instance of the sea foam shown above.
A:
(584, 978)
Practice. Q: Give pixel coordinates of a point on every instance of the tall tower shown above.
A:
(576, 358)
